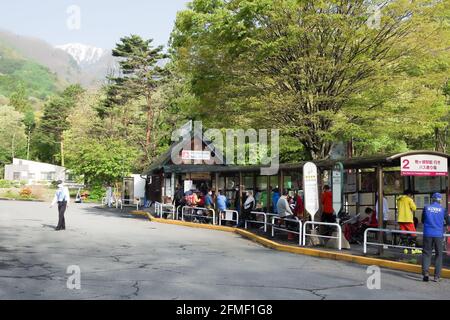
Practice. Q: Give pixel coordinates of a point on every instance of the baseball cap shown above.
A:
(437, 196)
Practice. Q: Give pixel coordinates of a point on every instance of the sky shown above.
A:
(99, 23)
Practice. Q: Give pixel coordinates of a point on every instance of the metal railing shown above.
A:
(338, 227)
(228, 216)
(185, 208)
(161, 209)
(120, 202)
(278, 227)
(266, 215)
(256, 213)
(385, 245)
(114, 202)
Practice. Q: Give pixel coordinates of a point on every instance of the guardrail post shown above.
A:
(304, 233)
(339, 237)
(365, 241)
(273, 229)
(299, 232)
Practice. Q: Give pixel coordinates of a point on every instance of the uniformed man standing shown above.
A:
(433, 218)
(62, 197)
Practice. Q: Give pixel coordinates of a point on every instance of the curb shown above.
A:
(402, 266)
(22, 200)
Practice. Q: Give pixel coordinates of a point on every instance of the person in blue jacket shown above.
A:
(275, 198)
(434, 217)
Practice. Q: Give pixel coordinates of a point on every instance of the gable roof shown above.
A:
(165, 159)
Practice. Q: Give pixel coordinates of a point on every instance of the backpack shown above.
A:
(189, 199)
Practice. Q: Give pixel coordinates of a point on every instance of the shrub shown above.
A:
(5, 184)
(96, 193)
(25, 192)
(10, 195)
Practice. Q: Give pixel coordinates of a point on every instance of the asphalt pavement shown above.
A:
(119, 256)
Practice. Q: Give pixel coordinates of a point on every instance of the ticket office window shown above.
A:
(292, 181)
(262, 189)
(248, 183)
(430, 184)
(229, 184)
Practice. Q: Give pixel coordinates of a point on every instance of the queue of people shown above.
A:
(290, 206)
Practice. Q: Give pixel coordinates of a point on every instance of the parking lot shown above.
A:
(123, 257)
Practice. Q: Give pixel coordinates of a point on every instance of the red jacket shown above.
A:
(299, 207)
(327, 202)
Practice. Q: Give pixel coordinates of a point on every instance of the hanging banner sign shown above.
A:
(424, 165)
(338, 186)
(195, 155)
(188, 184)
(310, 183)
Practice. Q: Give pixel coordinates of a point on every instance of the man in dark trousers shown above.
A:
(61, 197)
(433, 218)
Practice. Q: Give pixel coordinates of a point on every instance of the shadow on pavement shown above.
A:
(110, 212)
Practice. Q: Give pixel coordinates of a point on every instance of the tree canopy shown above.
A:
(316, 69)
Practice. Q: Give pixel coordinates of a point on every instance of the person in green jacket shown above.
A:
(263, 200)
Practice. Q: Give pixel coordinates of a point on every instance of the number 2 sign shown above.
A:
(405, 164)
(424, 165)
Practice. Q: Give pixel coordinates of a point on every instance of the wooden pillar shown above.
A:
(172, 185)
(163, 187)
(269, 198)
(358, 189)
(380, 186)
(241, 184)
(281, 181)
(216, 184)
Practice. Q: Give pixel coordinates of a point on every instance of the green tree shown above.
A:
(311, 68)
(19, 99)
(29, 121)
(139, 77)
(100, 153)
(101, 162)
(12, 134)
(48, 141)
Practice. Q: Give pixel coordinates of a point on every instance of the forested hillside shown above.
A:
(16, 70)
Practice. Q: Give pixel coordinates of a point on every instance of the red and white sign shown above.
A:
(424, 165)
(195, 155)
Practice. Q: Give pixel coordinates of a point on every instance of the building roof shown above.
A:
(385, 161)
(164, 161)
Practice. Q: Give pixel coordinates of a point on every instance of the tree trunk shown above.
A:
(28, 144)
(440, 137)
(62, 151)
(148, 139)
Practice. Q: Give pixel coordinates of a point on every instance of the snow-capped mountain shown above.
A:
(83, 54)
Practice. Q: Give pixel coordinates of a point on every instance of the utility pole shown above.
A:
(62, 151)
(28, 143)
(12, 145)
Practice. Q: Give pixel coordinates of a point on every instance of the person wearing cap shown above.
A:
(433, 218)
(62, 197)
